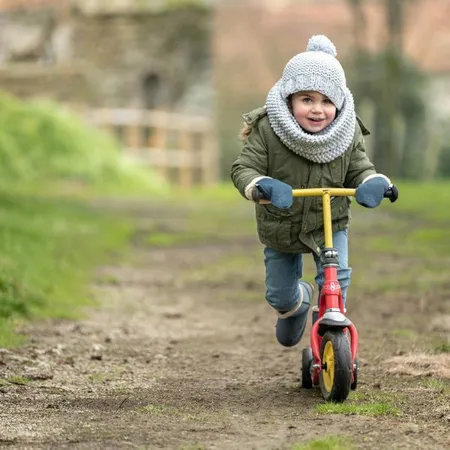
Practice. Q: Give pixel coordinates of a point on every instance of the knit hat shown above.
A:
(317, 69)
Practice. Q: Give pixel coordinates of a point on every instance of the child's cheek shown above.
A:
(299, 113)
(332, 113)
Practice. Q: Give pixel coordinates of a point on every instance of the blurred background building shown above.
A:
(116, 53)
(219, 59)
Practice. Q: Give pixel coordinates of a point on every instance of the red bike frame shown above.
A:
(331, 294)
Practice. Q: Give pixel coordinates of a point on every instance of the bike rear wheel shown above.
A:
(307, 362)
(354, 384)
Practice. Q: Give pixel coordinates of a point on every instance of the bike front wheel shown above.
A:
(336, 373)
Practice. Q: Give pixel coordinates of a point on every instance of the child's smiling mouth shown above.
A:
(316, 120)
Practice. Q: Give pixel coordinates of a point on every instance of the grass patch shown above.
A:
(415, 242)
(48, 251)
(442, 347)
(404, 333)
(122, 390)
(412, 244)
(173, 238)
(437, 385)
(104, 377)
(152, 410)
(164, 239)
(9, 337)
(425, 201)
(18, 379)
(327, 443)
(99, 377)
(236, 265)
(421, 217)
(361, 404)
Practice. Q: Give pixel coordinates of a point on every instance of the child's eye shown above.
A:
(328, 101)
(306, 100)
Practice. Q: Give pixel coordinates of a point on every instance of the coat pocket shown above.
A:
(274, 227)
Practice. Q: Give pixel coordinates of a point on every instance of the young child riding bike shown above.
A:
(306, 136)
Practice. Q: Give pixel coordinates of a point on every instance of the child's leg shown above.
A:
(283, 271)
(340, 242)
(289, 297)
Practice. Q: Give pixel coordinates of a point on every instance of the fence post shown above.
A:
(186, 160)
(157, 144)
(133, 137)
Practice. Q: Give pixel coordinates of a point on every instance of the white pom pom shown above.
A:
(321, 43)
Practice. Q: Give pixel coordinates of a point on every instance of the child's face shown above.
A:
(312, 110)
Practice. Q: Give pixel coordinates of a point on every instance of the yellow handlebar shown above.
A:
(326, 194)
(317, 192)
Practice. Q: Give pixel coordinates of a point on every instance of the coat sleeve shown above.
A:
(252, 163)
(360, 166)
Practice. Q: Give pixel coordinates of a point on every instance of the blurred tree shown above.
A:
(394, 86)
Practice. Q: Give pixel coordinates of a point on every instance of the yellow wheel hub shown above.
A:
(328, 373)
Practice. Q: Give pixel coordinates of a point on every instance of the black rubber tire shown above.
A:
(354, 384)
(307, 362)
(342, 367)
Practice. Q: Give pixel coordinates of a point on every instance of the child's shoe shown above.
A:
(291, 324)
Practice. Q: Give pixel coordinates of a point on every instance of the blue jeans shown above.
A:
(283, 270)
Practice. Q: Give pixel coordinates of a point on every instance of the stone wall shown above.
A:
(67, 84)
(157, 59)
(145, 60)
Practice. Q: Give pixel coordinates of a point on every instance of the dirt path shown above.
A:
(181, 354)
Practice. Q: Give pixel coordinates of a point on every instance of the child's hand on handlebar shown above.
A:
(371, 193)
(279, 193)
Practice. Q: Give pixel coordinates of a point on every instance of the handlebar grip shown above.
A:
(259, 197)
(391, 193)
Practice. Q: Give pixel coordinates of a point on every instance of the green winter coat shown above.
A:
(298, 229)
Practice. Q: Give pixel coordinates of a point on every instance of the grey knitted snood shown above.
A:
(315, 70)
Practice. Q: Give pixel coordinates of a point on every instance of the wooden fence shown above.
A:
(182, 148)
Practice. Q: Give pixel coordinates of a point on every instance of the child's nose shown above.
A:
(317, 107)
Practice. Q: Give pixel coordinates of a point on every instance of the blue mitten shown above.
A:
(371, 193)
(279, 193)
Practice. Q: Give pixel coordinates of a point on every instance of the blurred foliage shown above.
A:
(395, 88)
(443, 165)
(41, 142)
(400, 129)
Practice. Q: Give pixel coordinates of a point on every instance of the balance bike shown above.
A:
(331, 361)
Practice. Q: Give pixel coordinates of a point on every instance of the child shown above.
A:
(306, 136)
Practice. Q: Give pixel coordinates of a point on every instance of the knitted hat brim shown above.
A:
(302, 83)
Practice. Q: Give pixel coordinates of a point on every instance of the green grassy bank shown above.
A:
(49, 249)
(50, 239)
